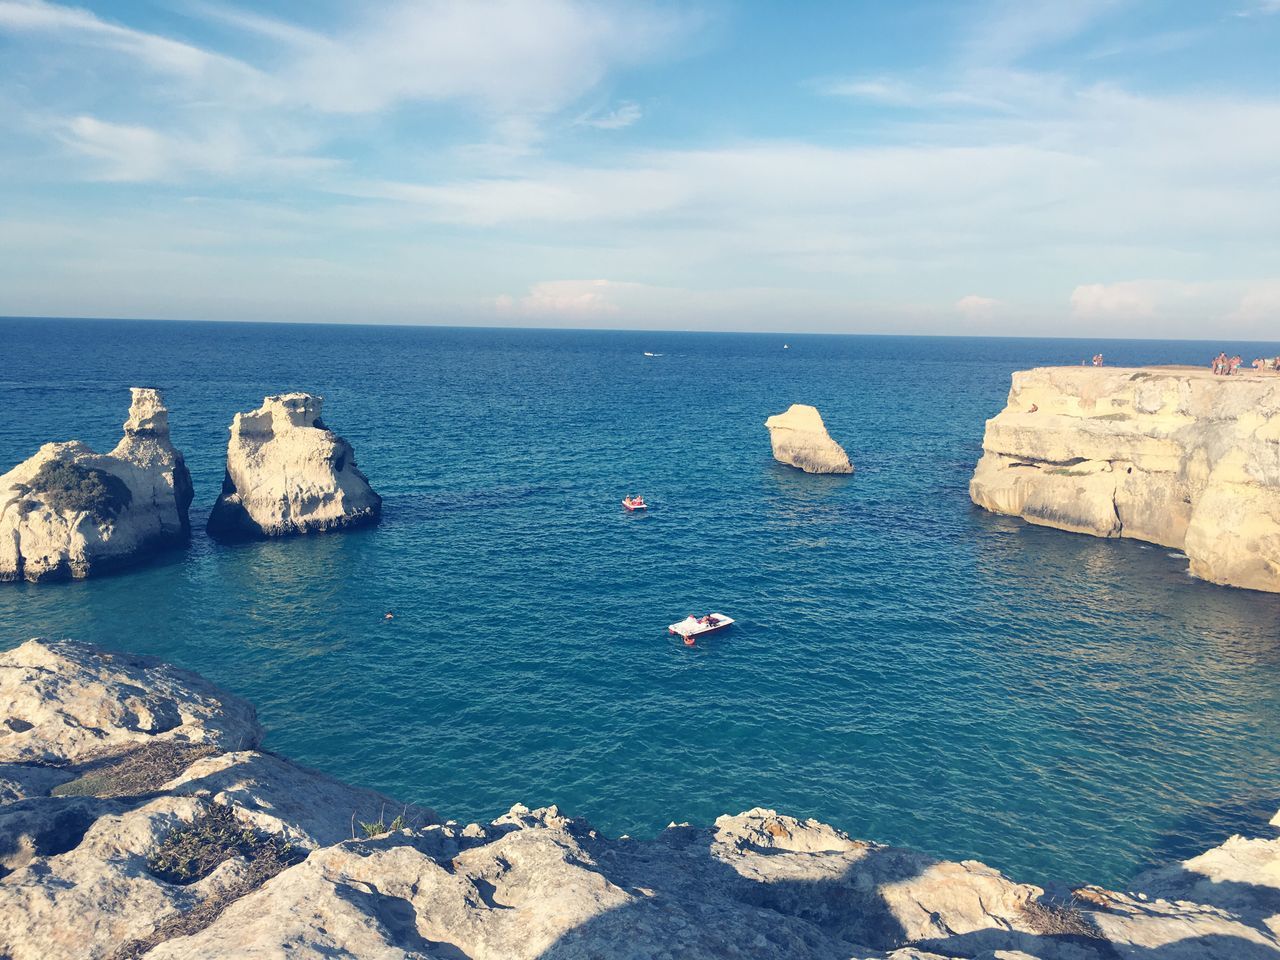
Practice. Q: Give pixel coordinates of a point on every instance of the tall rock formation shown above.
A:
(68, 512)
(800, 439)
(1174, 456)
(144, 822)
(289, 473)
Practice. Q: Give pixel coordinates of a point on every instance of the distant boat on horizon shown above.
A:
(648, 354)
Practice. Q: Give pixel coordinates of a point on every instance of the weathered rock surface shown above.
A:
(68, 512)
(1173, 456)
(80, 876)
(800, 439)
(63, 702)
(288, 473)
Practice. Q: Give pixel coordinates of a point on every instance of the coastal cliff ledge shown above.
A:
(139, 818)
(1170, 455)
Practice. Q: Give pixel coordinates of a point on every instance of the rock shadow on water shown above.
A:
(1212, 823)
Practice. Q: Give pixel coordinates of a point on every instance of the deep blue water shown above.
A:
(904, 666)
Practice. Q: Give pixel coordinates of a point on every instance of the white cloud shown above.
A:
(624, 115)
(506, 56)
(1036, 182)
(136, 154)
(1135, 299)
(976, 307)
(1010, 30)
(511, 64)
(254, 23)
(572, 299)
(1260, 305)
(1263, 8)
(155, 52)
(889, 91)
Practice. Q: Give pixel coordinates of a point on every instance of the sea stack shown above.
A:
(288, 473)
(70, 513)
(800, 439)
(1174, 456)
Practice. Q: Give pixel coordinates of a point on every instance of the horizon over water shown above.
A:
(905, 666)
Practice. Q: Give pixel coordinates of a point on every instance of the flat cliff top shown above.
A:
(1179, 371)
(1136, 394)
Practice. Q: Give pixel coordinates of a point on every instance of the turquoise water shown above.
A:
(904, 665)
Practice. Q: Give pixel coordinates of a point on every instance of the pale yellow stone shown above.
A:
(289, 473)
(39, 542)
(800, 439)
(1174, 456)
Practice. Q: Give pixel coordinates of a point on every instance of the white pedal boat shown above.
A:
(692, 626)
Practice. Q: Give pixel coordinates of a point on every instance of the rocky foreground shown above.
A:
(1174, 456)
(140, 818)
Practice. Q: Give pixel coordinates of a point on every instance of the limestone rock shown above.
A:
(288, 473)
(80, 877)
(75, 874)
(66, 702)
(68, 512)
(1177, 457)
(800, 439)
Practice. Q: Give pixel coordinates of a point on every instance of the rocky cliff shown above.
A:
(1174, 456)
(138, 818)
(289, 473)
(69, 512)
(800, 439)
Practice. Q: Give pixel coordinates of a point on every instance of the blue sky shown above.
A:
(1082, 167)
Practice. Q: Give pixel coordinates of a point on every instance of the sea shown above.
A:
(904, 666)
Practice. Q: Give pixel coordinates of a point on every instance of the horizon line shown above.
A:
(629, 330)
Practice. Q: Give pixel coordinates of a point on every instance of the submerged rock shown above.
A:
(69, 512)
(1177, 457)
(244, 854)
(288, 473)
(800, 439)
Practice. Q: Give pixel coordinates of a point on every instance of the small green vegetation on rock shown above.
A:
(195, 850)
(70, 488)
(137, 772)
(377, 828)
(192, 852)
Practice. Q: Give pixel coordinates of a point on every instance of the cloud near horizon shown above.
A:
(571, 299)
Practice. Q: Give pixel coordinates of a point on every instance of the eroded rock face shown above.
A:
(800, 439)
(79, 874)
(69, 512)
(288, 473)
(63, 701)
(1177, 457)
